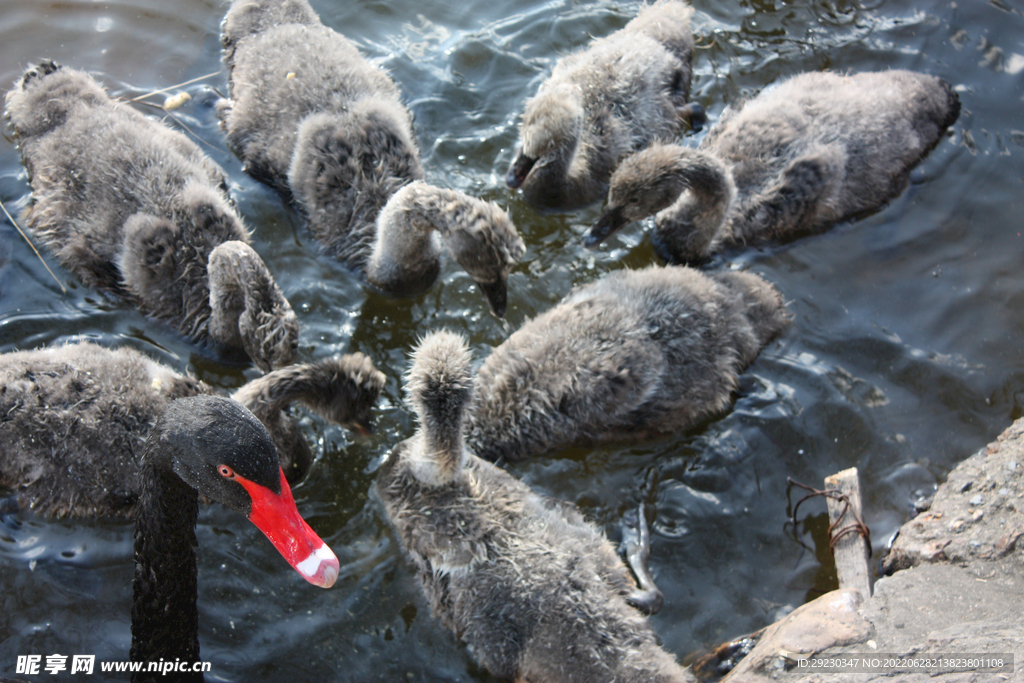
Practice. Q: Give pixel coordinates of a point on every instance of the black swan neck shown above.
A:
(165, 619)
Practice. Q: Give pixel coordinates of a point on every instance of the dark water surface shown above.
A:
(903, 358)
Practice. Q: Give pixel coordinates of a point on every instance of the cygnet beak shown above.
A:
(520, 168)
(497, 295)
(610, 221)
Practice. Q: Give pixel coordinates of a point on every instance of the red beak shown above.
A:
(279, 520)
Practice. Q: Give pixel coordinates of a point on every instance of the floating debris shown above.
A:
(175, 101)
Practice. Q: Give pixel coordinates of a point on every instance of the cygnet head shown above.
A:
(439, 389)
(642, 185)
(343, 390)
(487, 245)
(354, 387)
(479, 234)
(691, 191)
(550, 132)
(247, 305)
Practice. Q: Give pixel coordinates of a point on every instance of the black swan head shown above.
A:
(214, 446)
(221, 450)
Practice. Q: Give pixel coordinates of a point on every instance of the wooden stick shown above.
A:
(38, 255)
(851, 546)
(172, 87)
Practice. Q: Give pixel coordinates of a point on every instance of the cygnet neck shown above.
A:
(690, 228)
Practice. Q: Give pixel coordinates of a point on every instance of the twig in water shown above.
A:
(172, 87)
(40, 256)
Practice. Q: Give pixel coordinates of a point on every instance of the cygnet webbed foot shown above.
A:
(44, 68)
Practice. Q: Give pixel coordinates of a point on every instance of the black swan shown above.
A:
(632, 356)
(602, 103)
(535, 591)
(75, 419)
(136, 209)
(214, 446)
(311, 117)
(814, 150)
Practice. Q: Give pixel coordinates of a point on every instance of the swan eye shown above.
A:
(226, 472)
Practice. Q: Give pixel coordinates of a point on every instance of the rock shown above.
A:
(832, 620)
(953, 530)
